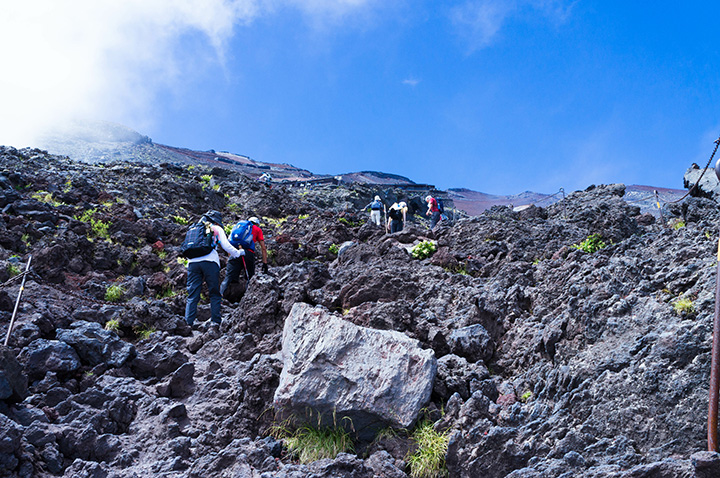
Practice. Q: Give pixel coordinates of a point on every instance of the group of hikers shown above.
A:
(202, 239)
(200, 249)
(397, 214)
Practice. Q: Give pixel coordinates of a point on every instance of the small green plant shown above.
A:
(526, 396)
(166, 293)
(303, 216)
(206, 178)
(114, 293)
(312, 444)
(13, 270)
(677, 224)
(428, 459)
(143, 332)
(592, 244)
(162, 254)
(423, 250)
(113, 325)
(216, 187)
(99, 228)
(26, 239)
(708, 235)
(68, 186)
(350, 223)
(334, 249)
(191, 167)
(684, 306)
(179, 220)
(182, 261)
(46, 197)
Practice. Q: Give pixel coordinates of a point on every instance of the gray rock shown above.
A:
(13, 382)
(50, 356)
(10, 442)
(337, 370)
(95, 345)
(472, 342)
(708, 187)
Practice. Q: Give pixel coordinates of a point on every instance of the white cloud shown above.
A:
(411, 82)
(108, 59)
(478, 22)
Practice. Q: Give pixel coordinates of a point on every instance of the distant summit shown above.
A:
(103, 142)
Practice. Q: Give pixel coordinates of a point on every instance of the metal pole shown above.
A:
(657, 202)
(714, 367)
(17, 302)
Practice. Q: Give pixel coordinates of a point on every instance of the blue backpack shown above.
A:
(441, 206)
(241, 235)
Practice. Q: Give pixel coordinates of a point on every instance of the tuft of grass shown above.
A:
(526, 396)
(114, 293)
(334, 249)
(13, 270)
(428, 459)
(311, 444)
(303, 216)
(684, 306)
(179, 220)
(143, 332)
(113, 325)
(423, 250)
(592, 244)
(182, 261)
(206, 178)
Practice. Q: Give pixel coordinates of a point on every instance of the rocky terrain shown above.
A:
(535, 350)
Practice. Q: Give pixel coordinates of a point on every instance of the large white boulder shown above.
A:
(335, 372)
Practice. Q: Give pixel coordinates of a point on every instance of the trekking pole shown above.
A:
(17, 302)
(247, 276)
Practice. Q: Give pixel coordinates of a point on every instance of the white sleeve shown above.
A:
(223, 240)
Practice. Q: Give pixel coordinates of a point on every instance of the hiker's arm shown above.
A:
(264, 251)
(225, 244)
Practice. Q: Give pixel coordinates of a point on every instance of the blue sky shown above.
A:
(495, 96)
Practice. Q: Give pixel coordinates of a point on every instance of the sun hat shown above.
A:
(254, 220)
(214, 216)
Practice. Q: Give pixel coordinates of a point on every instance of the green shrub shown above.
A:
(179, 220)
(428, 459)
(100, 228)
(684, 306)
(114, 293)
(206, 178)
(334, 249)
(526, 396)
(303, 216)
(113, 325)
(423, 250)
(592, 244)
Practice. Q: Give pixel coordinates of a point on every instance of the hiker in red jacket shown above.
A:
(433, 211)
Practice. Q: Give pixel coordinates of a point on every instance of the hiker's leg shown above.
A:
(249, 262)
(212, 278)
(232, 273)
(194, 284)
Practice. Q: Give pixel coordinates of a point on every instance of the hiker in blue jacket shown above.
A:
(376, 206)
(207, 269)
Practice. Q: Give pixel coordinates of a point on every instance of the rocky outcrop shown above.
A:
(552, 361)
(338, 371)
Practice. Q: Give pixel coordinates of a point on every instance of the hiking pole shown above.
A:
(17, 302)
(657, 202)
(247, 277)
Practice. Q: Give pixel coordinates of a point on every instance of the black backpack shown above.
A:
(395, 214)
(199, 241)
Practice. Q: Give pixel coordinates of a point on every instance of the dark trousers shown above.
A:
(434, 219)
(199, 272)
(396, 225)
(235, 269)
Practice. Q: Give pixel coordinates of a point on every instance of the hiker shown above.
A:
(396, 217)
(375, 207)
(207, 268)
(433, 210)
(245, 235)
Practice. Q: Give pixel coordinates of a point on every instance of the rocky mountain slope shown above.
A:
(545, 359)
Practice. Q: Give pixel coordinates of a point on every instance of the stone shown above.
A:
(368, 378)
(50, 356)
(472, 342)
(95, 345)
(13, 382)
